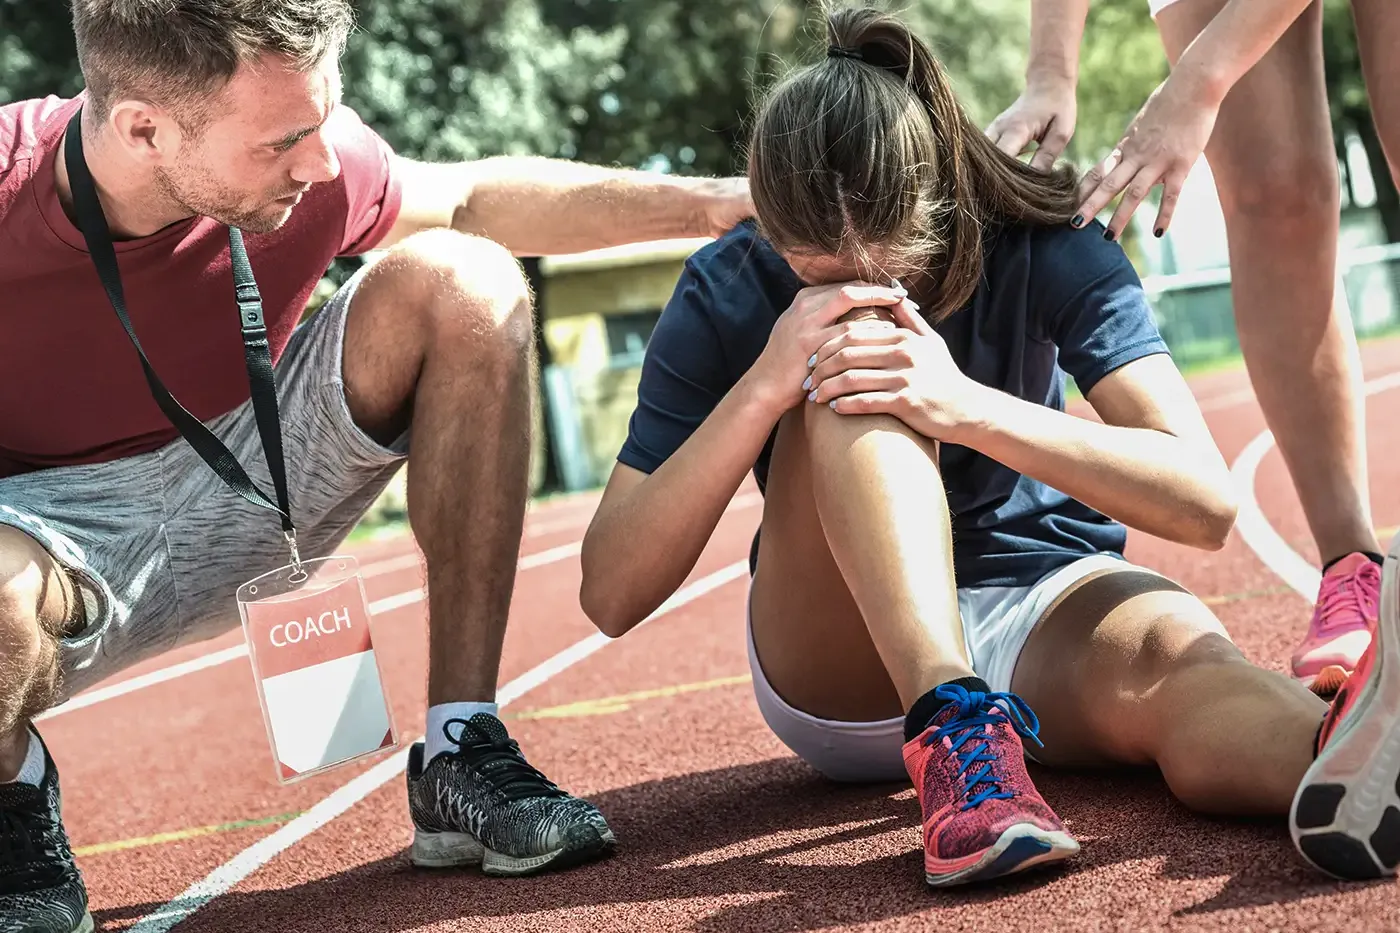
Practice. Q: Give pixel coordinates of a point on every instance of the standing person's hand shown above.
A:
(1044, 114)
(1159, 148)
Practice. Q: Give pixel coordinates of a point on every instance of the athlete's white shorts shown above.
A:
(996, 621)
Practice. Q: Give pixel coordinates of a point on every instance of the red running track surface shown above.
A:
(720, 828)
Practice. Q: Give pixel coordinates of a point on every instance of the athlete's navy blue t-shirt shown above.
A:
(1053, 300)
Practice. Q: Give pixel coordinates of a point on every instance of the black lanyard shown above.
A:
(256, 351)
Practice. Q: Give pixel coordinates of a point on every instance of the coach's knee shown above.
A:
(33, 606)
(471, 290)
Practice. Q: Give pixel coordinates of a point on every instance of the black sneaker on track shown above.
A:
(41, 890)
(483, 804)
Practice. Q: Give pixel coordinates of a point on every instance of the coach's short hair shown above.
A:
(179, 54)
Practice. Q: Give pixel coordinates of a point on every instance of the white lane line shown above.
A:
(228, 875)
(214, 659)
(203, 662)
(1254, 528)
(1227, 400)
(388, 604)
(101, 695)
(413, 560)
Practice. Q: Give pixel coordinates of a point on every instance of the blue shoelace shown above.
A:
(975, 710)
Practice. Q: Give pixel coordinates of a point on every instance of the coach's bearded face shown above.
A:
(247, 155)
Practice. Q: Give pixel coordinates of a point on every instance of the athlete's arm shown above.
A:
(1151, 464)
(649, 529)
(537, 206)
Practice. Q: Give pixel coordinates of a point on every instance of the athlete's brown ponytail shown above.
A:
(869, 149)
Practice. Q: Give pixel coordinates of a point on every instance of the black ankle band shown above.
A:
(1377, 559)
(927, 706)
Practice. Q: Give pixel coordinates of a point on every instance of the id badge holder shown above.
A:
(318, 677)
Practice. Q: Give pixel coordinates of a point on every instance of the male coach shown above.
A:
(209, 128)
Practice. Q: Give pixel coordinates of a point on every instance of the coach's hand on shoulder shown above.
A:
(783, 373)
(905, 371)
(727, 204)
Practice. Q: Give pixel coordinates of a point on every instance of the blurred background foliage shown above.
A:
(669, 84)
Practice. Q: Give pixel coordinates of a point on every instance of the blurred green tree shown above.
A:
(1351, 109)
(37, 56)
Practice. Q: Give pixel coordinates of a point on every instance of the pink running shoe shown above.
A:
(1345, 817)
(1347, 608)
(983, 818)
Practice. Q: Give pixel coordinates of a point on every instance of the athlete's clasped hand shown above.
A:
(887, 361)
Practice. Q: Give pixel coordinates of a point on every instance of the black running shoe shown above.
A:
(484, 804)
(41, 890)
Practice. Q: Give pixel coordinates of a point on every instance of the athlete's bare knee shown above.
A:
(831, 433)
(1210, 665)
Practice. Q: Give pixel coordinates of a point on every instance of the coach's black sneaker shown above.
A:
(41, 890)
(484, 804)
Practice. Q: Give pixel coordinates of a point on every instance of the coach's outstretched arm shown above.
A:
(538, 206)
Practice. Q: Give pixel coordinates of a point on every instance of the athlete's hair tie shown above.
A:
(836, 51)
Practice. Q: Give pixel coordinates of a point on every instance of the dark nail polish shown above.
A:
(1078, 221)
(1158, 232)
(1108, 235)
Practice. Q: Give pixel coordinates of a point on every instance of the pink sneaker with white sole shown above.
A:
(1342, 624)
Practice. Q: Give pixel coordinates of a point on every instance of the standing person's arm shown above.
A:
(1046, 110)
(1171, 131)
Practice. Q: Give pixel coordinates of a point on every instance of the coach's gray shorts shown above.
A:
(159, 544)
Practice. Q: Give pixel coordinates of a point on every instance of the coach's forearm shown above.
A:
(537, 206)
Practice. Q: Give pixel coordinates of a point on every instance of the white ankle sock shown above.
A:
(32, 771)
(434, 740)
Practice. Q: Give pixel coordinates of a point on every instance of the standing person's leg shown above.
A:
(1130, 668)
(1275, 169)
(857, 648)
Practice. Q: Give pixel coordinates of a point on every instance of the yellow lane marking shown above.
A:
(602, 706)
(179, 835)
(606, 706)
(1245, 594)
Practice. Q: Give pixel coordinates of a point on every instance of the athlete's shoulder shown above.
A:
(740, 266)
(1083, 250)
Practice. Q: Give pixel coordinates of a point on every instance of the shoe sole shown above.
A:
(459, 850)
(85, 925)
(1327, 682)
(1019, 848)
(1345, 817)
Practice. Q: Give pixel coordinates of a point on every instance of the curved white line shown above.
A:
(1256, 531)
(226, 876)
(1254, 528)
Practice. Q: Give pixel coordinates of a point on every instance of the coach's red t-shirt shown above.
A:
(71, 385)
